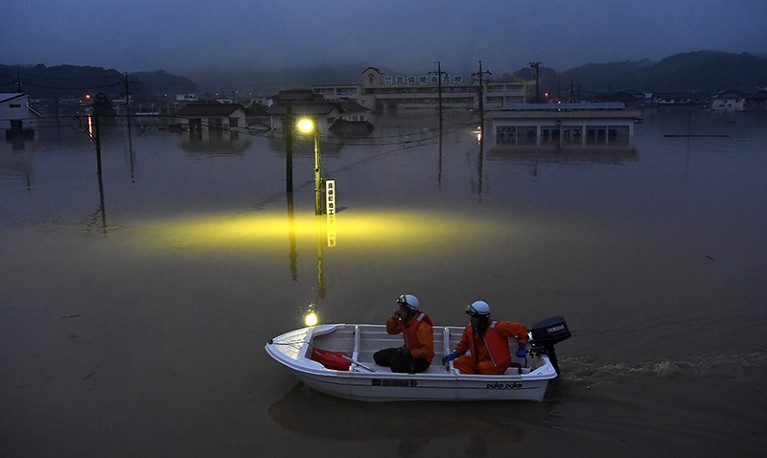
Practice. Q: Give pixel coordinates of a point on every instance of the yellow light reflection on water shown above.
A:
(376, 230)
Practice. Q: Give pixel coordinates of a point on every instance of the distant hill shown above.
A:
(269, 81)
(160, 82)
(602, 77)
(75, 81)
(704, 71)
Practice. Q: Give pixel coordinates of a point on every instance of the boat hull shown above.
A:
(365, 381)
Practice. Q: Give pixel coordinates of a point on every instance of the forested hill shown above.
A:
(701, 71)
(74, 81)
(704, 71)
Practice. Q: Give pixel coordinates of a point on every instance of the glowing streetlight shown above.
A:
(307, 126)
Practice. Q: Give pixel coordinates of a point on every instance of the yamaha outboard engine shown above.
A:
(546, 334)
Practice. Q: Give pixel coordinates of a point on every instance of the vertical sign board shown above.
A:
(330, 207)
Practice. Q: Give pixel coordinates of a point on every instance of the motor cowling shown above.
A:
(549, 332)
(545, 334)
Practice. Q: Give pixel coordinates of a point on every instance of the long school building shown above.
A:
(562, 125)
(380, 92)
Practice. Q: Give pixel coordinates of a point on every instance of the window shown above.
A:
(595, 135)
(618, 136)
(527, 136)
(571, 135)
(506, 135)
(549, 135)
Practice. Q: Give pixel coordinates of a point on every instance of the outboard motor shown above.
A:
(546, 334)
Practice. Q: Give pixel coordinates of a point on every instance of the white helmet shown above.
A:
(409, 301)
(478, 308)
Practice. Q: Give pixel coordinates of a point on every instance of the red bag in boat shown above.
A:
(331, 359)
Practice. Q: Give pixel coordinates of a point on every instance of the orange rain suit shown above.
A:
(482, 362)
(417, 332)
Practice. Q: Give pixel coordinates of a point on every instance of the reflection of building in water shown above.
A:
(536, 155)
(214, 142)
(562, 125)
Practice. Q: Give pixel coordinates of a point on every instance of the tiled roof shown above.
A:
(302, 108)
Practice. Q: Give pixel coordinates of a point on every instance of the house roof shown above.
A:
(298, 96)
(731, 94)
(8, 96)
(208, 109)
(350, 106)
(302, 108)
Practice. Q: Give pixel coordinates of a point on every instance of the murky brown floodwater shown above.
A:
(133, 318)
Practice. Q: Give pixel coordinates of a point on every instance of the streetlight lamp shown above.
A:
(308, 126)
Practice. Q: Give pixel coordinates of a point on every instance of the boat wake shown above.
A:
(739, 366)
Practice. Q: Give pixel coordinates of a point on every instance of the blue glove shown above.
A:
(521, 351)
(449, 357)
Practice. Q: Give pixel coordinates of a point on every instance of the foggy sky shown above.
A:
(407, 35)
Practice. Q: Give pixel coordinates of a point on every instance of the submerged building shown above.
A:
(381, 92)
(17, 118)
(561, 125)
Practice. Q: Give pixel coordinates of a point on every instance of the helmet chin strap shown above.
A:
(482, 325)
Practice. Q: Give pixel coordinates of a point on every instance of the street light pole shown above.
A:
(307, 126)
(317, 176)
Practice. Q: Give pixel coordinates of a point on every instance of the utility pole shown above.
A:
(480, 73)
(97, 139)
(536, 65)
(439, 74)
(127, 124)
(18, 82)
(127, 98)
(288, 126)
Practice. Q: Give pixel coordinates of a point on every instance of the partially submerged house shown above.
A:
(212, 116)
(17, 118)
(728, 101)
(296, 104)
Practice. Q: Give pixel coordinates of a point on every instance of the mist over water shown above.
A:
(133, 312)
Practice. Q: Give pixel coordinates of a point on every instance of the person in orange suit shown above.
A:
(416, 353)
(487, 340)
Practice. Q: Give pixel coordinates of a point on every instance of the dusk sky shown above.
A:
(409, 35)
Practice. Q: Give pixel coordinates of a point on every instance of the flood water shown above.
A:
(134, 309)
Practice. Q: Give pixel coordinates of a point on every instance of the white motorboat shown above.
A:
(337, 359)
